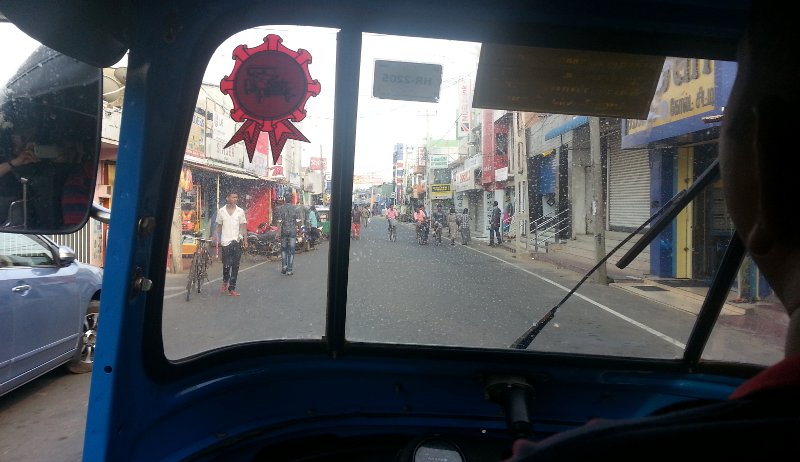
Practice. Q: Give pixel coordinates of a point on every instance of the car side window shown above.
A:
(23, 250)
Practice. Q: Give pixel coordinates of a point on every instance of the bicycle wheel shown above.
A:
(202, 276)
(192, 275)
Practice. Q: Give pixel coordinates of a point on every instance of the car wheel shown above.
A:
(84, 361)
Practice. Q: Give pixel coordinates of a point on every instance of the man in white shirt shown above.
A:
(231, 229)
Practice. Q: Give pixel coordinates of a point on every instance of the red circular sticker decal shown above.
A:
(269, 86)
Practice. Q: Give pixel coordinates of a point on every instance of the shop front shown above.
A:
(677, 146)
(468, 193)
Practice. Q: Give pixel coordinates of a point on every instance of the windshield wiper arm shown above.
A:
(664, 216)
(669, 211)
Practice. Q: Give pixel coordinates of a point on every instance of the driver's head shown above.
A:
(758, 159)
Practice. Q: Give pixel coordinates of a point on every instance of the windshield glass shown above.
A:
(468, 225)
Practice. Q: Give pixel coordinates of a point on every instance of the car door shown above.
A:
(45, 305)
(6, 320)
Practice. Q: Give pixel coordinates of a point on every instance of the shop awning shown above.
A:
(571, 125)
(223, 170)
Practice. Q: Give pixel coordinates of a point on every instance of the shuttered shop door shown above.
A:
(628, 188)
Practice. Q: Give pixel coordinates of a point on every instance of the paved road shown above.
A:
(398, 292)
(44, 420)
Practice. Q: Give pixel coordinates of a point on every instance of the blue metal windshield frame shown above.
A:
(137, 395)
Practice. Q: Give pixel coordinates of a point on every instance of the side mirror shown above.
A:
(50, 118)
(66, 255)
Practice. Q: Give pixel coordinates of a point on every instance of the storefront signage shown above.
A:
(441, 191)
(318, 163)
(687, 90)
(473, 162)
(465, 180)
(438, 162)
(501, 174)
(196, 145)
(465, 107)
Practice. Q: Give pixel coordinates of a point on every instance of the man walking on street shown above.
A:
(463, 224)
(287, 219)
(494, 226)
(452, 225)
(231, 229)
(365, 214)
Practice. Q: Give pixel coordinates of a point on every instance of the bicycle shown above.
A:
(422, 232)
(198, 272)
(392, 230)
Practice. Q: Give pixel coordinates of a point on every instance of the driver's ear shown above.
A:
(776, 167)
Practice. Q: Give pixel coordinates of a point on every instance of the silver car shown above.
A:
(49, 306)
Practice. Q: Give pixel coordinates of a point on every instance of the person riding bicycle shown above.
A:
(421, 218)
(438, 219)
(391, 217)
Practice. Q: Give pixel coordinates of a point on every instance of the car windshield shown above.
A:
(518, 205)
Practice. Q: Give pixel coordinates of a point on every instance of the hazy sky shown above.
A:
(381, 123)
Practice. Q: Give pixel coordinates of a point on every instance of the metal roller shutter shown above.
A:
(628, 188)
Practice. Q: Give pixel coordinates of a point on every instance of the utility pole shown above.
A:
(426, 175)
(598, 204)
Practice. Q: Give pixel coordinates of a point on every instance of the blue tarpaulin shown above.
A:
(571, 125)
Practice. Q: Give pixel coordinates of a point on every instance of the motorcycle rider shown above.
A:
(438, 219)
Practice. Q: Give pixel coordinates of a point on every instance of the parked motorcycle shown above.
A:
(311, 236)
(308, 237)
(265, 241)
(301, 241)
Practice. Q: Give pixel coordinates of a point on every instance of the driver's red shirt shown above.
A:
(780, 375)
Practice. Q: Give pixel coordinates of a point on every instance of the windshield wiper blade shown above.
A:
(662, 218)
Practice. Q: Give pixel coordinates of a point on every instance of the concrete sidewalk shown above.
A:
(766, 316)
